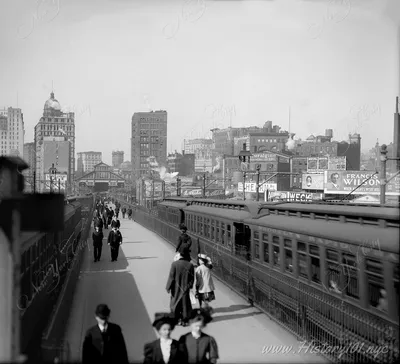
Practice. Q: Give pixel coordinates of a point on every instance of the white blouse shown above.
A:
(165, 348)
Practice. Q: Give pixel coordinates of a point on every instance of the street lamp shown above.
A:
(244, 157)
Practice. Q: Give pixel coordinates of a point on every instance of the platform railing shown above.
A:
(54, 347)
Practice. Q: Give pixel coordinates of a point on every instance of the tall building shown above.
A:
(29, 157)
(117, 158)
(181, 163)
(12, 132)
(203, 152)
(87, 161)
(55, 126)
(149, 139)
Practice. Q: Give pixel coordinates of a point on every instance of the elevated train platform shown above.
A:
(134, 289)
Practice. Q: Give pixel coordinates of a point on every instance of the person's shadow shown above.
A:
(231, 308)
(235, 317)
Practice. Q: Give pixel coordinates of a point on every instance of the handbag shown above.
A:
(193, 299)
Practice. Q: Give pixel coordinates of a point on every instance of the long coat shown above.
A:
(180, 281)
(111, 349)
(153, 353)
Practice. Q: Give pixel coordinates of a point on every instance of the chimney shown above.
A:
(244, 146)
(183, 152)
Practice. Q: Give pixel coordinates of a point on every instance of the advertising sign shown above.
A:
(55, 178)
(312, 181)
(295, 196)
(251, 187)
(263, 157)
(337, 163)
(317, 164)
(343, 182)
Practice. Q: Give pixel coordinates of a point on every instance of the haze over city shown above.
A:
(207, 63)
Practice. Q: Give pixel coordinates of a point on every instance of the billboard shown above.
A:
(343, 182)
(312, 181)
(295, 196)
(251, 187)
(264, 157)
(317, 164)
(337, 163)
(54, 179)
(56, 152)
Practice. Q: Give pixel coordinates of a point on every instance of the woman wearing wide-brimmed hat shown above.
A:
(204, 282)
(164, 350)
(199, 347)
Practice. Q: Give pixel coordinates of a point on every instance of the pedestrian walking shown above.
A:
(105, 218)
(104, 343)
(117, 211)
(184, 240)
(179, 284)
(123, 212)
(115, 222)
(164, 350)
(114, 241)
(204, 282)
(97, 238)
(199, 347)
(129, 213)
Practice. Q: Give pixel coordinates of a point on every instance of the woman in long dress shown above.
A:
(204, 282)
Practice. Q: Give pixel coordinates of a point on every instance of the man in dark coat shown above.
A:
(104, 343)
(114, 241)
(184, 241)
(180, 281)
(97, 238)
(105, 217)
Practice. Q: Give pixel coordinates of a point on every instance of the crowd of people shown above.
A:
(187, 286)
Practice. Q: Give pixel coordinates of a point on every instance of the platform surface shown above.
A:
(134, 289)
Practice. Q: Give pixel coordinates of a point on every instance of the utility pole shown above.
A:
(178, 187)
(34, 181)
(258, 167)
(163, 189)
(204, 185)
(383, 173)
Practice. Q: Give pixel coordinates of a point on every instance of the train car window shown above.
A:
(217, 231)
(256, 239)
(302, 260)
(350, 275)
(212, 235)
(376, 286)
(265, 242)
(275, 241)
(288, 256)
(333, 270)
(222, 233)
(228, 235)
(202, 220)
(315, 264)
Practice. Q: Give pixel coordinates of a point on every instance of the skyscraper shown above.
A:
(117, 158)
(87, 161)
(59, 127)
(11, 132)
(29, 157)
(149, 139)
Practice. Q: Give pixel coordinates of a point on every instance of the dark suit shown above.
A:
(153, 353)
(106, 347)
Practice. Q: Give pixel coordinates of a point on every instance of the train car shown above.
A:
(328, 273)
(45, 258)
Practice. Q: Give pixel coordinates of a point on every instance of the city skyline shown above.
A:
(334, 67)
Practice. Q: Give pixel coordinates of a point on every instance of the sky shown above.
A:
(208, 63)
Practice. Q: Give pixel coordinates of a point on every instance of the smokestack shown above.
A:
(244, 146)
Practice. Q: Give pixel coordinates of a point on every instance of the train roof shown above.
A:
(388, 239)
(230, 214)
(389, 216)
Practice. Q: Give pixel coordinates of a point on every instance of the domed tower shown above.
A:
(52, 107)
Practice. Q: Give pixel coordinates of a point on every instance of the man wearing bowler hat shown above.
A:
(104, 342)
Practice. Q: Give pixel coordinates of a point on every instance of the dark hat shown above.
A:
(201, 314)
(162, 318)
(182, 227)
(103, 311)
